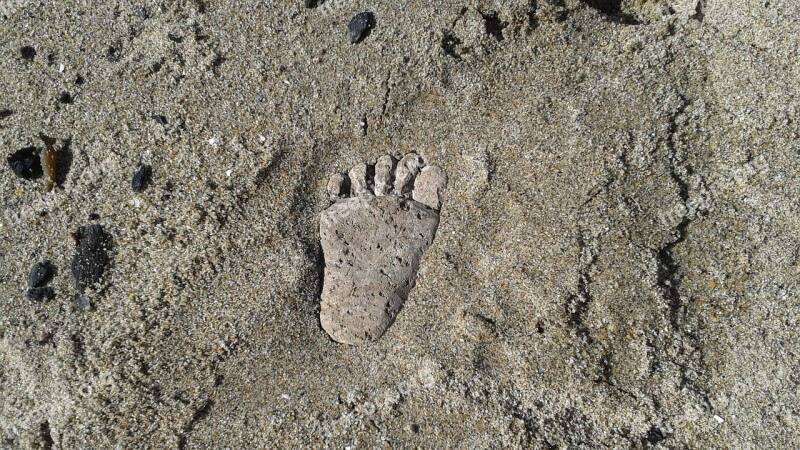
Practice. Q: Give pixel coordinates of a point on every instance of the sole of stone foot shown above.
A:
(382, 220)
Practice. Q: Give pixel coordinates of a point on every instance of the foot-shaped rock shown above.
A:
(373, 236)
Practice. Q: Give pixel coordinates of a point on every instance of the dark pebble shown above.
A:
(310, 3)
(89, 262)
(40, 274)
(141, 178)
(143, 13)
(94, 216)
(360, 26)
(654, 435)
(38, 294)
(28, 52)
(79, 80)
(26, 163)
(5, 112)
(64, 97)
(175, 38)
(160, 119)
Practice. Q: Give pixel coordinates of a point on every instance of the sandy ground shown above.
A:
(616, 264)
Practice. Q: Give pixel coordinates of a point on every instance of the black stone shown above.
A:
(26, 163)
(143, 13)
(64, 97)
(654, 435)
(94, 216)
(41, 274)
(28, 52)
(38, 294)
(360, 26)
(5, 112)
(91, 256)
(310, 3)
(79, 80)
(141, 178)
(160, 119)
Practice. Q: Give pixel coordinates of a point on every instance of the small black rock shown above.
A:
(143, 13)
(40, 274)
(654, 435)
(94, 216)
(160, 119)
(28, 52)
(79, 80)
(37, 294)
(5, 112)
(360, 26)
(64, 97)
(310, 3)
(141, 178)
(89, 262)
(26, 163)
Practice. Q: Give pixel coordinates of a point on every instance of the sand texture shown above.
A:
(616, 264)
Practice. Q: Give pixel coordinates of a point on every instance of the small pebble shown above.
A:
(360, 25)
(89, 261)
(143, 13)
(25, 163)
(160, 119)
(141, 178)
(38, 294)
(310, 3)
(94, 216)
(41, 274)
(5, 112)
(64, 97)
(28, 52)
(83, 302)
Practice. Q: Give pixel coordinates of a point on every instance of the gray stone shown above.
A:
(372, 246)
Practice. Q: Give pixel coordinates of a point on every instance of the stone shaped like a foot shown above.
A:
(384, 217)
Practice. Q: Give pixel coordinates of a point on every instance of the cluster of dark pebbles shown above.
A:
(93, 243)
(39, 276)
(92, 247)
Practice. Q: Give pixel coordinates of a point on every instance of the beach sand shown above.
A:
(616, 264)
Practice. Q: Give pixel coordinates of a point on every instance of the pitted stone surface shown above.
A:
(372, 246)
